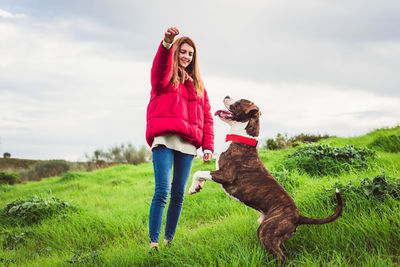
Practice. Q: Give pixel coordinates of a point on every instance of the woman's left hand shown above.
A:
(207, 157)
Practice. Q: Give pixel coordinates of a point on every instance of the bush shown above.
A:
(45, 169)
(6, 155)
(272, 144)
(33, 210)
(308, 138)
(323, 159)
(282, 141)
(389, 143)
(380, 187)
(9, 178)
(377, 188)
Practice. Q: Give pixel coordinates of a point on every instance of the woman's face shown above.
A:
(185, 55)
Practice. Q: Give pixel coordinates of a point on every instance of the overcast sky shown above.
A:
(75, 75)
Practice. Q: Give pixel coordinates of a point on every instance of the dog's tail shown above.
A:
(334, 216)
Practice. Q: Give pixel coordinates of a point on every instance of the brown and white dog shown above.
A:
(243, 176)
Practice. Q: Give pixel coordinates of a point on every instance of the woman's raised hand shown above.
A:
(170, 35)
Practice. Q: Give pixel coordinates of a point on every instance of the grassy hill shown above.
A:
(101, 219)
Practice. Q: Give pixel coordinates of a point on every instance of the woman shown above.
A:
(179, 122)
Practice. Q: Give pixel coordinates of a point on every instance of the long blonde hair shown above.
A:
(180, 75)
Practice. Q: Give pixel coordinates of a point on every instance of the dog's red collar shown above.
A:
(241, 139)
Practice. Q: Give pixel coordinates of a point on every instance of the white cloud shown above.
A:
(77, 78)
(56, 90)
(7, 15)
(307, 108)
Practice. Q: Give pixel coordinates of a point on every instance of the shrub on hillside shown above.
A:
(45, 169)
(389, 143)
(34, 209)
(377, 188)
(324, 159)
(308, 138)
(380, 187)
(9, 178)
(6, 155)
(272, 144)
(282, 141)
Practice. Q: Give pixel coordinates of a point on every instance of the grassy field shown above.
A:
(109, 224)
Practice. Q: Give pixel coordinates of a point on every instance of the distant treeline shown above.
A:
(124, 153)
(13, 170)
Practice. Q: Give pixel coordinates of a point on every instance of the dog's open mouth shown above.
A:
(223, 114)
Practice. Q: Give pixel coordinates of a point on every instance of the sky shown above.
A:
(75, 75)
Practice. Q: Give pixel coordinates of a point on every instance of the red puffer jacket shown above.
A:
(177, 111)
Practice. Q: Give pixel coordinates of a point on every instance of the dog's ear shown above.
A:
(251, 110)
(253, 126)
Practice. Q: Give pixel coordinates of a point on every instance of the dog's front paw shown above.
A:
(196, 188)
(192, 189)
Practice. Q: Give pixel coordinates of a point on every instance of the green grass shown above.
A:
(363, 140)
(110, 225)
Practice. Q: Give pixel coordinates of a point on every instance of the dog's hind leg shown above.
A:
(273, 246)
(267, 235)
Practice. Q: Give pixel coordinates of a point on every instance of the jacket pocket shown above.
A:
(192, 110)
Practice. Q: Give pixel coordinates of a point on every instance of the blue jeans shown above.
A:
(163, 160)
